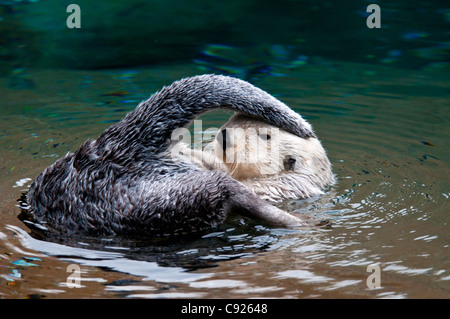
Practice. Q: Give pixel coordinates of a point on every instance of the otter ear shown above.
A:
(289, 163)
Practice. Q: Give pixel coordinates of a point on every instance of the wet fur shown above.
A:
(125, 182)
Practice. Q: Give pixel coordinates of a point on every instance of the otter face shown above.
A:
(252, 149)
(272, 163)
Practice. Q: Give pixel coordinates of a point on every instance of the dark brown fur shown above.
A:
(125, 182)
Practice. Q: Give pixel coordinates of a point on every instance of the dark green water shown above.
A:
(379, 102)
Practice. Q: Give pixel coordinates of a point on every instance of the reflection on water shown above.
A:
(385, 131)
(109, 259)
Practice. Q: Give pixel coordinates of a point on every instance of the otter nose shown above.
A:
(289, 163)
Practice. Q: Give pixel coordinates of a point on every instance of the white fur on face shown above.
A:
(273, 163)
(257, 153)
(255, 149)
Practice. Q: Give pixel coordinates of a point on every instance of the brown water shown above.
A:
(386, 132)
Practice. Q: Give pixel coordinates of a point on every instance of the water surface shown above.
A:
(385, 131)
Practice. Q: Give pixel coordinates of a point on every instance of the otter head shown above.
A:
(253, 149)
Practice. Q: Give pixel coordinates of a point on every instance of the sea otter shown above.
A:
(275, 164)
(126, 183)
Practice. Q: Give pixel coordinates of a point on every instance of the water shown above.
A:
(385, 131)
(377, 98)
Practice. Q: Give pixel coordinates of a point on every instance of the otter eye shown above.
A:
(265, 137)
